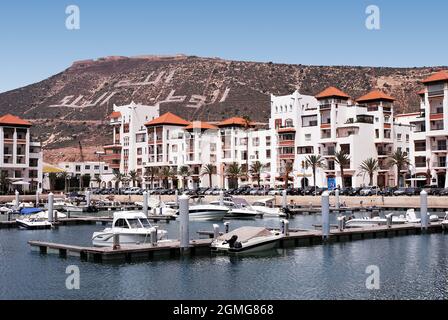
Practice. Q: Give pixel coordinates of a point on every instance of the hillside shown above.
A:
(73, 105)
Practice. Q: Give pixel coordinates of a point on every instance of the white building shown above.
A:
(93, 169)
(20, 155)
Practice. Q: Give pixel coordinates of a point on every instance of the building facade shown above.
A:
(92, 169)
(20, 155)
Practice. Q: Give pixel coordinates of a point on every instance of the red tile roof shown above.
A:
(235, 121)
(9, 119)
(115, 115)
(421, 92)
(332, 92)
(168, 119)
(374, 96)
(201, 125)
(437, 77)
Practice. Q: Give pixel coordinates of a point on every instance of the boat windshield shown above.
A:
(134, 223)
(145, 223)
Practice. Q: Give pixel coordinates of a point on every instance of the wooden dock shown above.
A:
(131, 253)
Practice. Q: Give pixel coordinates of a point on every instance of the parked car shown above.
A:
(388, 191)
(355, 191)
(432, 190)
(443, 192)
(413, 191)
(368, 191)
(276, 192)
(400, 192)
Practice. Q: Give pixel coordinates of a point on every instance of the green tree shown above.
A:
(233, 173)
(185, 173)
(256, 169)
(165, 174)
(315, 161)
(287, 169)
(369, 167)
(399, 159)
(118, 178)
(152, 173)
(210, 170)
(4, 182)
(342, 159)
(133, 176)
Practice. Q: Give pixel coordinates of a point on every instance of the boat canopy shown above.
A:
(246, 233)
(28, 211)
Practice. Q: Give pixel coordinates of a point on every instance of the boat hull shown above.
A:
(104, 239)
(28, 225)
(207, 215)
(252, 247)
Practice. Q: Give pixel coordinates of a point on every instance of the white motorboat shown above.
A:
(239, 208)
(158, 207)
(32, 220)
(58, 204)
(411, 217)
(267, 209)
(207, 212)
(247, 240)
(445, 222)
(132, 228)
(5, 210)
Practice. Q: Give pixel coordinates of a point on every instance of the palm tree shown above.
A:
(255, 171)
(4, 181)
(133, 176)
(342, 159)
(118, 178)
(209, 170)
(233, 173)
(287, 169)
(98, 180)
(315, 161)
(369, 167)
(247, 125)
(165, 174)
(185, 173)
(152, 172)
(400, 160)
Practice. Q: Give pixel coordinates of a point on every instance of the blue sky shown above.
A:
(35, 43)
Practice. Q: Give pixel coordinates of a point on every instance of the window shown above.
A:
(121, 223)
(139, 151)
(106, 168)
(308, 137)
(268, 154)
(407, 138)
(78, 168)
(87, 167)
(97, 168)
(268, 141)
(305, 150)
(399, 136)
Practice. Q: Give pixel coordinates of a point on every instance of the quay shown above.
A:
(201, 247)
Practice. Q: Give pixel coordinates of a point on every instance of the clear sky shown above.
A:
(35, 43)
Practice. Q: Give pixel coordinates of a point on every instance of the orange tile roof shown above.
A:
(115, 114)
(9, 119)
(423, 91)
(436, 77)
(235, 121)
(168, 119)
(375, 95)
(332, 92)
(201, 125)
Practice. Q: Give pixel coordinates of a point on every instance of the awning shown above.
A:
(21, 183)
(48, 168)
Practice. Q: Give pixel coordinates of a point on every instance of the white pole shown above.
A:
(285, 227)
(221, 198)
(145, 203)
(216, 231)
(50, 207)
(325, 215)
(184, 222)
(37, 198)
(284, 199)
(424, 209)
(17, 200)
(338, 204)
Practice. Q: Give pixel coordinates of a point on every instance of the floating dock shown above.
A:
(131, 253)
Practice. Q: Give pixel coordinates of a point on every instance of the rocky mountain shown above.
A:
(73, 105)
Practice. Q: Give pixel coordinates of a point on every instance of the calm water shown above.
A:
(413, 267)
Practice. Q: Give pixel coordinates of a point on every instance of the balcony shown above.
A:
(436, 116)
(329, 153)
(286, 143)
(326, 106)
(287, 156)
(436, 93)
(439, 165)
(439, 148)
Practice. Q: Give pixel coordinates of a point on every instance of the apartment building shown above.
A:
(429, 133)
(129, 149)
(20, 155)
(93, 169)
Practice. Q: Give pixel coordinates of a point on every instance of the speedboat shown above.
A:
(158, 207)
(58, 204)
(247, 240)
(132, 227)
(69, 207)
(267, 209)
(207, 212)
(239, 208)
(33, 222)
(411, 217)
(445, 222)
(373, 222)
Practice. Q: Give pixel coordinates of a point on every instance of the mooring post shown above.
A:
(227, 227)
(17, 204)
(284, 199)
(389, 220)
(145, 203)
(50, 207)
(424, 209)
(341, 223)
(285, 227)
(221, 198)
(37, 198)
(116, 244)
(184, 223)
(325, 215)
(88, 198)
(216, 231)
(338, 204)
(154, 236)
